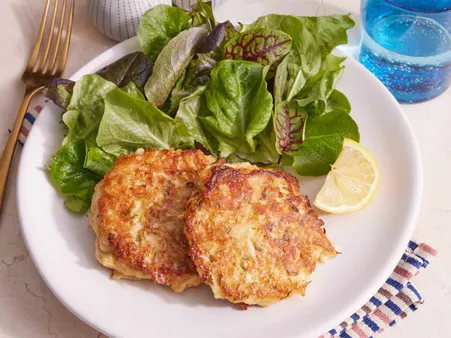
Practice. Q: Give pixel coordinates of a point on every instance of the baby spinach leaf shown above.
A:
(289, 126)
(98, 161)
(129, 123)
(323, 142)
(59, 91)
(315, 109)
(263, 45)
(171, 63)
(134, 67)
(240, 104)
(70, 177)
(158, 26)
(337, 102)
(86, 107)
(321, 86)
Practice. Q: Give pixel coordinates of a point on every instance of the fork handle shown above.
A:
(8, 152)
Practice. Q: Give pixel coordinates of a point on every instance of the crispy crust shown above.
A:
(137, 214)
(253, 236)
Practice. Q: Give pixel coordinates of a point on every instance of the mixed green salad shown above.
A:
(263, 92)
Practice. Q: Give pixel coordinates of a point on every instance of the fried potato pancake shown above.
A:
(138, 212)
(253, 236)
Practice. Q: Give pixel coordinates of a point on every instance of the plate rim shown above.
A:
(378, 280)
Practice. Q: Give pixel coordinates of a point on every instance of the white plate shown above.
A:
(372, 241)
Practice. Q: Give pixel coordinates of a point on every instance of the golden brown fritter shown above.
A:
(137, 214)
(253, 236)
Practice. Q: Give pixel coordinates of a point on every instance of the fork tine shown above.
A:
(49, 39)
(37, 44)
(65, 51)
(58, 39)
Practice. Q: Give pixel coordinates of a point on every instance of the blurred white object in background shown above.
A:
(119, 19)
(187, 4)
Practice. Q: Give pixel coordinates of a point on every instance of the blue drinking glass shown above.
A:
(407, 45)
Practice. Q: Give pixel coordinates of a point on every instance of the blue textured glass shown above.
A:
(407, 45)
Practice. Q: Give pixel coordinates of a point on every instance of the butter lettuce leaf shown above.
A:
(86, 107)
(71, 178)
(240, 104)
(99, 161)
(129, 123)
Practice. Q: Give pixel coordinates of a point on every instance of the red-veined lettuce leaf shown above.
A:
(289, 125)
(263, 45)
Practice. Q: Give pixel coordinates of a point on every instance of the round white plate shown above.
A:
(371, 241)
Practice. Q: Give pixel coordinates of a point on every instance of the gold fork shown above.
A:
(47, 62)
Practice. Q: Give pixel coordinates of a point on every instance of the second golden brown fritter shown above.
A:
(253, 236)
(137, 214)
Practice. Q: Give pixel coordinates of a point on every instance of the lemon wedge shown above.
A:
(351, 183)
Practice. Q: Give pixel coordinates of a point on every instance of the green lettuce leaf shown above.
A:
(265, 152)
(134, 67)
(191, 108)
(323, 84)
(76, 204)
(337, 102)
(158, 26)
(203, 14)
(70, 177)
(86, 108)
(132, 90)
(240, 104)
(99, 161)
(323, 142)
(313, 39)
(171, 63)
(130, 123)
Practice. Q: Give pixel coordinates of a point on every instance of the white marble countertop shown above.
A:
(27, 306)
